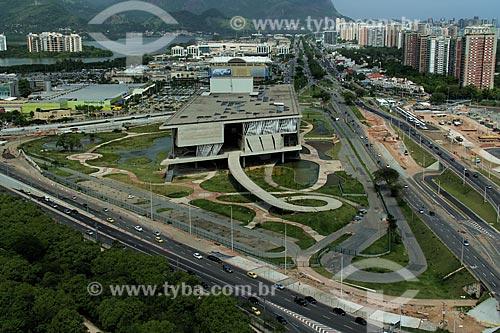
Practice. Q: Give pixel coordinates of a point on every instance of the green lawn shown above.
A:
(350, 185)
(308, 202)
(357, 113)
(419, 154)
(440, 263)
(258, 177)
(238, 198)
(304, 240)
(144, 172)
(240, 213)
(137, 142)
(397, 255)
(58, 158)
(334, 152)
(314, 117)
(223, 182)
(467, 195)
(325, 222)
(171, 191)
(296, 175)
(145, 129)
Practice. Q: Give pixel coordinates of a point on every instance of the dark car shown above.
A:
(311, 299)
(214, 258)
(281, 320)
(204, 285)
(339, 311)
(253, 300)
(226, 268)
(300, 301)
(475, 175)
(360, 321)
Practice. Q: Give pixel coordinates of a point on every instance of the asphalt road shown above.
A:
(179, 255)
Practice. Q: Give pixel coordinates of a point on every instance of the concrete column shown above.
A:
(244, 160)
(282, 158)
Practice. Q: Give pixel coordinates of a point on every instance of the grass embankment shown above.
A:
(171, 191)
(452, 184)
(419, 154)
(325, 222)
(314, 258)
(303, 239)
(239, 213)
(397, 255)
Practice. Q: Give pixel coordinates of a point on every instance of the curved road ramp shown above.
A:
(241, 177)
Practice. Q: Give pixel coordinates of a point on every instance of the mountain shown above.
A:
(24, 16)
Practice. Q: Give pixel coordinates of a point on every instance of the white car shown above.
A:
(279, 286)
(156, 233)
(138, 228)
(197, 255)
(130, 196)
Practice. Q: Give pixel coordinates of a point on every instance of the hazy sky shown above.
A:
(422, 9)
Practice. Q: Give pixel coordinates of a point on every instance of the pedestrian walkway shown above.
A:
(241, 177)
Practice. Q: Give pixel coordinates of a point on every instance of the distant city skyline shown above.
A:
(421, 9)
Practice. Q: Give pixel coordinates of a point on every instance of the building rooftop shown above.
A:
(264, 102)
(249, 59)
(97, 92)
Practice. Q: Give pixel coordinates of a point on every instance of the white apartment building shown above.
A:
(3, 42)
(54, 42)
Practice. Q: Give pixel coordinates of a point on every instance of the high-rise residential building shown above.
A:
(348, 31)
(411, 41)
(437, 55)
(73, 43)
(371, 35)
(330, 37)
(54, 42)
(393, 35)
(3, 42)
(478, 57)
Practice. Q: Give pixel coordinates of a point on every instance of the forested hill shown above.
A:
(45, 269)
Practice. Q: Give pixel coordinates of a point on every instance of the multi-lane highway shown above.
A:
(480, 263)
(90, 215)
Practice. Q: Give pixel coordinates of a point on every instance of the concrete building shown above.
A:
(371, 35)
(9, 86)
(235, 117)
(330, 37)
(348, 31)
(263, 122)
(3, 43)
(393, 35)
(411, 42)
(54, 42)
(478, 57)
(236, 74)
(437, 55)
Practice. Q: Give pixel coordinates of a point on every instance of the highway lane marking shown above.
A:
(327, 317)
(349, 327)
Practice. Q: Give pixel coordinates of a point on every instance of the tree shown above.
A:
(217, 314)
(68, 321)
(438, 98)
(68, 142)
(24, 88)
(387, 175)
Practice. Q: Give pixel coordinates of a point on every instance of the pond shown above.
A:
(306, 172)
(320, 129)
(322, 147)
(86, 142)
(160, 145)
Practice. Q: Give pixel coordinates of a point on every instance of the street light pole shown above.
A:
(232, 234)
(189, 216)
(285, 248)
(151, 198)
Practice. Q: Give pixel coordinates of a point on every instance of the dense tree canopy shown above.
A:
(45, 269)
